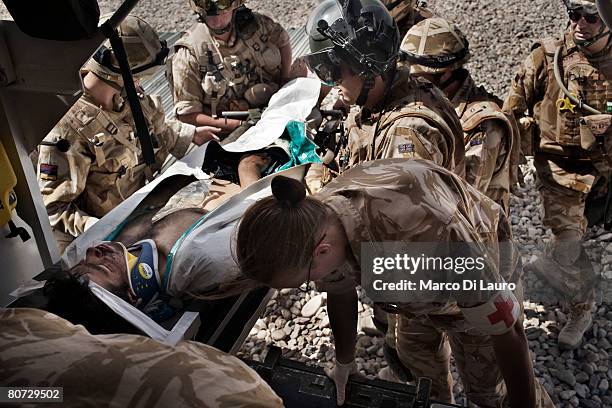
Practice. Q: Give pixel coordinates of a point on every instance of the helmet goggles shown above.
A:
(214, 7)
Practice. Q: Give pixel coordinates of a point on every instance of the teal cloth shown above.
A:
(301, 148)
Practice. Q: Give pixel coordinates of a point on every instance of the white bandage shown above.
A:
(497, 316)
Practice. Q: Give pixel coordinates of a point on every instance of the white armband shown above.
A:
(496, 316)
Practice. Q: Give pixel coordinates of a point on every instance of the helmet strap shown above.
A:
(457, 75)
(221, 31)
(365, 90)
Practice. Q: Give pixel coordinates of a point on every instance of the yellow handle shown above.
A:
(8, 199)
(564, 104)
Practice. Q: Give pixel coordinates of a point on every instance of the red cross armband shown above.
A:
(496, 316)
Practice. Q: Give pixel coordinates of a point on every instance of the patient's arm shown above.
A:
(138, 225)
(250, 168)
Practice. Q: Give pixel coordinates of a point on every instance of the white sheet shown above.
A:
(294, 101)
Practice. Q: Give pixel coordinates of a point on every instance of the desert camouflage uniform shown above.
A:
(407, 13)
(104, 164)
(488, 137)
(441, 208)
(251, 56)
(120, 370)
(416, 121)
(566, 171)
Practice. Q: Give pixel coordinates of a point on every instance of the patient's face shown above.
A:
(105, 265)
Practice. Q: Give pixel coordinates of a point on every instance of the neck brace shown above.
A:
(145, 280)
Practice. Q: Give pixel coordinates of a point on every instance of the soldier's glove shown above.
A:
(340, 374)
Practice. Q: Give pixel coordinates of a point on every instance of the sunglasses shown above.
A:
(575, 16)
(306, 288)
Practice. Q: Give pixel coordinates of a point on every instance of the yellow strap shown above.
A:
(564, 104)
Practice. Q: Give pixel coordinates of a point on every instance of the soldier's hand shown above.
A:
(340, 374)
(205, 134)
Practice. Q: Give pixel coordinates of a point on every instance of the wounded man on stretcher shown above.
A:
(174, 245)
(172, 239)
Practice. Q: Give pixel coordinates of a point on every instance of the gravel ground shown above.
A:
(500, 35)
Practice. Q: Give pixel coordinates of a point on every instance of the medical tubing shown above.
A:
(571, 97)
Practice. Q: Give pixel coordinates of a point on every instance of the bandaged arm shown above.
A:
(500, 318)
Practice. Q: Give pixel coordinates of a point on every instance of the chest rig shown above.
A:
(111, 137)
(228, 72)
(560, 120)
(422, 102)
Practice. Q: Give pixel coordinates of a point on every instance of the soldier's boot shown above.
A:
(395, 371)
(580, 320)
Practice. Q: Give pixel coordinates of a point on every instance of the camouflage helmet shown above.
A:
(212, 7)
(400, 8)
(145, 51)
(589, 6)
(359, 33)
(434, 46)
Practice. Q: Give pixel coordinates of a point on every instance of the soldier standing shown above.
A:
(91, 161)
(553, 96)
(397, 115)
(232, 60)
(437, 50)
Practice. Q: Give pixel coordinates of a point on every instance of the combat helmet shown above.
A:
(213, 7)
(588, 7)
(434, 46)
(400, 8)
(361, 34)
(145, 51)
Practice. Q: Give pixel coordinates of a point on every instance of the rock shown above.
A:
(604, 386)
(582, 390)
(295, 333)
(564, 375)
(278, 334)
(588, 369)
(324, 322)
(366, 325)
(311, 307)
(566, 395)
(582, 377)
(589, 403)
(286, 314)
(604, 344)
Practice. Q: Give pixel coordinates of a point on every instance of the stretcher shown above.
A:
(224, 323)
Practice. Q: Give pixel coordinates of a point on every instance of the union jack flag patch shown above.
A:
(406, 148)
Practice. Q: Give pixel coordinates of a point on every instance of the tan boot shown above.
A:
(580, 320)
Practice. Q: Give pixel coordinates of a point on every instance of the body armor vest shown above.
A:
(586, 79)
(226, 76)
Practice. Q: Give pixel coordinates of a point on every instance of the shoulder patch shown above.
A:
(405, 148)
(48, 171)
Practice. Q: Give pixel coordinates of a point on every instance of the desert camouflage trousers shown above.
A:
(563, 192)
(425, 348)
